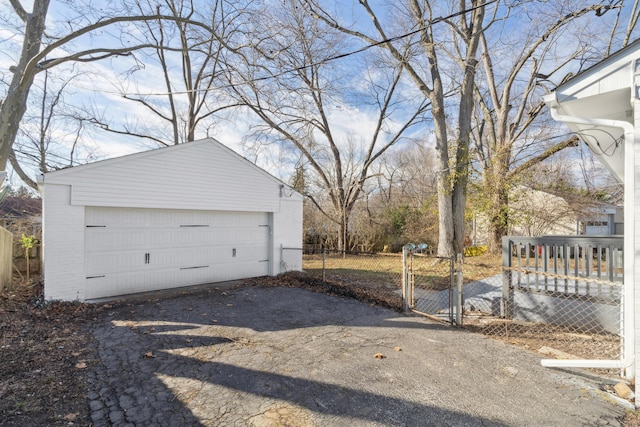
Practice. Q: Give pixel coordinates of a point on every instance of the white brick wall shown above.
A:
(63, 239)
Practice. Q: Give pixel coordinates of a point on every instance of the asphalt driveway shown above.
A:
(253, 356)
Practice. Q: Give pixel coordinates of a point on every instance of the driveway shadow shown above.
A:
(279, 356)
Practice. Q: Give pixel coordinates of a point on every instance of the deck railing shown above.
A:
(585, 268)
(598, 257)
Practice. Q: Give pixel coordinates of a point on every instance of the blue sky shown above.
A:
(101, 85)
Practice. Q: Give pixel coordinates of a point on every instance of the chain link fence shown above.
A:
(369, 269)
(430, 286)
(581, 319)
(561, 298)
(431, 278)
(562, 303)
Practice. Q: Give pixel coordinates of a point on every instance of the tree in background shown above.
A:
(314, 107)
(426, 27)
(512, 133)
(51, 135)
(43, 51)
(190, 62)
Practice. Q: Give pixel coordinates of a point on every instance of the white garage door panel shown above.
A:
(134, 250)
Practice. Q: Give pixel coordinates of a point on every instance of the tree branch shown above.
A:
(571, 142)
(19, 10)
(21, 173)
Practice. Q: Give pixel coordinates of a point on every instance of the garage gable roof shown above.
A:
(201, 174)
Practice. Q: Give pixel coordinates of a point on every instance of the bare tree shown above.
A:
(511, 134)
(624, 11)
(42, 52)
(419, 52)
(51, 136)
(191, 62)
(313, 106)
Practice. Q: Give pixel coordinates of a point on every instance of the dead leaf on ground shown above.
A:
(71, 417)
(149, 354)
(397, 349)
(81, 365)
(379, 356)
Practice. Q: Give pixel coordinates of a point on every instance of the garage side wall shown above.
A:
(63, 239)
(287, 236)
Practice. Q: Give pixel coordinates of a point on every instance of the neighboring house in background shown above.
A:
(535, 213)
(183, 215)
(602, 219)
(539, 213)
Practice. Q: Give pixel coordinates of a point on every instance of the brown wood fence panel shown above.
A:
(6, 257)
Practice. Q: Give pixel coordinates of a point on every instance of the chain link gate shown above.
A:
(432, 286)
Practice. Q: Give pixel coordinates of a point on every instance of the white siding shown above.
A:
(618, 68)
(632, 223)
(199, 175)
(287, 226)
(143, 195)
(63, 240)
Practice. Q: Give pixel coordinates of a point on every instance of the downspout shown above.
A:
(626, 362)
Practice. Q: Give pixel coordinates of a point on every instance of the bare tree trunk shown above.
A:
(498, 218)
(14, 104)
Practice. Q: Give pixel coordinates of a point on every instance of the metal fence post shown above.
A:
(459, 295)
(507, 261)
(324, 255)
(405, 281)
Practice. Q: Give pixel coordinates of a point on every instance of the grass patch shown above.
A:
(386, 269)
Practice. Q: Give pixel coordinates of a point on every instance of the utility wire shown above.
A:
(323, 61)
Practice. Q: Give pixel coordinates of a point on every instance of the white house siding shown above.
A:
(636, 237)
(63, 245)
(198, 175)
(201, 179)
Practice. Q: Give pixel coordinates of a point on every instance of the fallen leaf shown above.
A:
(71, 416)
(188, 340)
(149, 354)
(75, 354)
(397, 349)
(379, 356)
(81, 365)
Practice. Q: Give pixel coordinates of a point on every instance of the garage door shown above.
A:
(137, 250)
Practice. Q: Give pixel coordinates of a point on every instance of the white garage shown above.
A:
(188, 214)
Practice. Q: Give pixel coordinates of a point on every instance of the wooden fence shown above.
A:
(6, 257)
